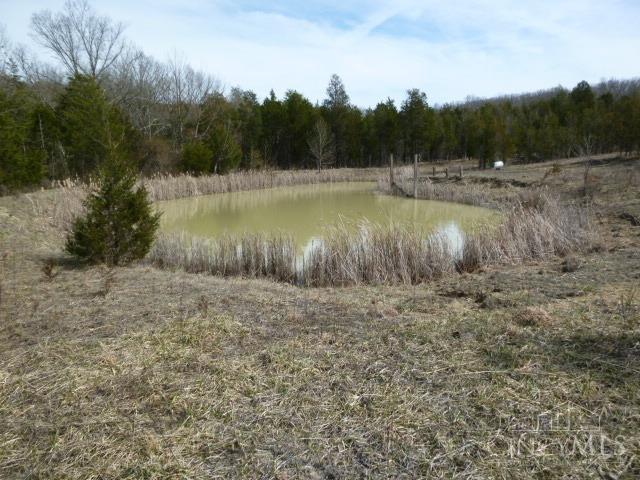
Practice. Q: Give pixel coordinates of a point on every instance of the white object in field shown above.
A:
(498, 165)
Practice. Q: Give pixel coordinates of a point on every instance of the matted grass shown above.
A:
(375, 384)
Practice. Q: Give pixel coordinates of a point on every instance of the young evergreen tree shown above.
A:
(120, 225)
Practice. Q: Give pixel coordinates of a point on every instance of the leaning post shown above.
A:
(446, 172)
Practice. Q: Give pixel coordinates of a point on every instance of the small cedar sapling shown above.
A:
(119, 225)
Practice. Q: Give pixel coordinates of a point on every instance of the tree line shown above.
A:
(105, 95)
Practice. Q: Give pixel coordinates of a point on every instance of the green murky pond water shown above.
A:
(307, 211)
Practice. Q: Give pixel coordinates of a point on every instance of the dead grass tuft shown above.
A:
(532, 317)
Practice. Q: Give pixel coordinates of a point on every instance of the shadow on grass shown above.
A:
(610, 359)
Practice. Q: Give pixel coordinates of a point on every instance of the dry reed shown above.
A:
(377, 255)
(465, 193)
(398, 256)
(169, 187)
(250, 256)
(62, 203)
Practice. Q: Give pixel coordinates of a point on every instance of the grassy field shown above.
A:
(529, 370)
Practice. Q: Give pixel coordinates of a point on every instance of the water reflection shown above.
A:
(308, 212)
(455, 237)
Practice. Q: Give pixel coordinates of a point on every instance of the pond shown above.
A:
(307, 211)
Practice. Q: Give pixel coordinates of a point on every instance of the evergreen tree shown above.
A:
(227, 153)
(273, 127)
(249, 122)
(88, 124)
(197, 158)
(300, 121)
(416, 121)
(120, 225)
(22, 162)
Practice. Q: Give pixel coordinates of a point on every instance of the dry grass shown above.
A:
(531, 233)
(249, 256)
(465, 191)
(329, 392)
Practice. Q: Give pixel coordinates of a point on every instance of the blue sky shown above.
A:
(379, 48)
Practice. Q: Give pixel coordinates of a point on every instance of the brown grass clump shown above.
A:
(532, 317)
(378, 255)
(530, 233)
(60, 205)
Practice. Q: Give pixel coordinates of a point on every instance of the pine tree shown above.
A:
(120, 225)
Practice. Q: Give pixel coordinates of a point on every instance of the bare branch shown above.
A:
(81, 40)
(321, 144)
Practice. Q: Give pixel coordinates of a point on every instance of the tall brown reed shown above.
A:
(250, 256)
(466, 193)
(169, 187)
(398, 256)
(376, 254)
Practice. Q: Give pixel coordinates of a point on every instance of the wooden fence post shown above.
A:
(461, 171)
(434, 170)
(415, 176)
(391, 179)
(446, 172)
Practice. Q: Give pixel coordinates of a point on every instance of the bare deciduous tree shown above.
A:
(17, 62)
(321, 144)
(188, 90)
(4, 51)
(32, 70)
(139, 85)
(81, 40)
(585, 149)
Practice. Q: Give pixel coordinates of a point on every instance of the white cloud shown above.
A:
(449, 50)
